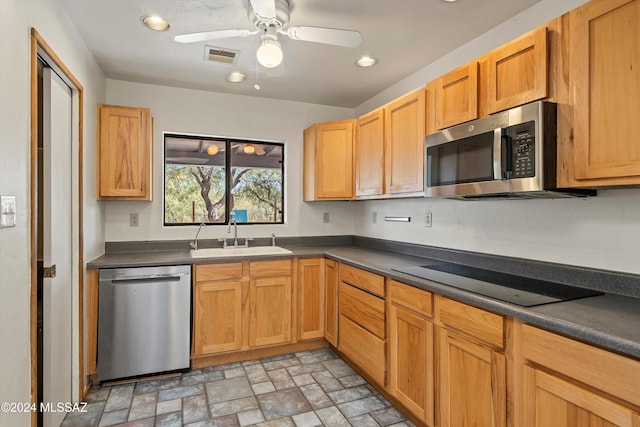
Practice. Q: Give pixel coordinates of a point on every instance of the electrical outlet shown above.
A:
(325, 217)
(427, 219)
(374, 217)
(133, 220)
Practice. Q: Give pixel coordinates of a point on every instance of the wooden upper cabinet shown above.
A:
(456, 96)
(517, 72)
(404, 138)
(605, 81)
(125, 153)
(328, 161)
(369, 154)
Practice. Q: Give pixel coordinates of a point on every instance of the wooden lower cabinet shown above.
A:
(362, 321)
(270, 311)
(241, 305)
(471, 383)
(568, 383)
(411, 375)
(554, 402)
(331, 302)
(311, 296)
(471, 366)
(220, 331)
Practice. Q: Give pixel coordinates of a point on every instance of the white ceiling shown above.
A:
(404, 35)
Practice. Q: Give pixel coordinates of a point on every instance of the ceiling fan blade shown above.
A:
(264, 8)
(211, 35)
(334, 36)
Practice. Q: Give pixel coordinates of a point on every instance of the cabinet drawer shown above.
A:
(370, 282)
(364, 309)
(410, 297)
(270, 268)
(602, 369)
(363, 348)
(226, 271)
(477, 323)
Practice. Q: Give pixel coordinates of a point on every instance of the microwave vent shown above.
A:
(219, 54)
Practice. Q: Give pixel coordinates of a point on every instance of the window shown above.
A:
(210, 179)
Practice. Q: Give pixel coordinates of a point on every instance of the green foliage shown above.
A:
(259, 191)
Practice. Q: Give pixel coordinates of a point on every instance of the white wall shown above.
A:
(599, 232)
(210, 113)
(16, 18)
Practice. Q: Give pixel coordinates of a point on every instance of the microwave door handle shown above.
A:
(507, 152)
(497, 153)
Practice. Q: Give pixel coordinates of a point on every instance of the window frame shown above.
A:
(228, 175)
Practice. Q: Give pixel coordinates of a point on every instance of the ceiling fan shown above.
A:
(271, 17)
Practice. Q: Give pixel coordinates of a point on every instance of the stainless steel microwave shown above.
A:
(511, 154)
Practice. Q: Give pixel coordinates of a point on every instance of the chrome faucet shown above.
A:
(273, 239)
(235, 230)
(194, 244)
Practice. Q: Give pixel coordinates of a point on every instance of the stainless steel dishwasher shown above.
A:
(143, 321)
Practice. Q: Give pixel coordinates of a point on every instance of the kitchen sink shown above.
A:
(238, 251)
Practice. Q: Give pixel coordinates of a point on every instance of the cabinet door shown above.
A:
(404, 138)
(457, 96)
(369, 154)
(331, 302)
(518, 71)
(552, 402)
(311, 298)
(411, 361)
(605, 81)
(471, 383)
(270, 311)
(334, 172)
(217, 315)
(124, 153)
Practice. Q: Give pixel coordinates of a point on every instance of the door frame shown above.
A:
(40, 46)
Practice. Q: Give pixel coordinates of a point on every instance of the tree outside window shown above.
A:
(207, 179)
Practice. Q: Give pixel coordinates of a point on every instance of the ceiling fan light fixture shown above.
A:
(155, 22)
(249, 149)
(269, 53)
(366, 61)
(236, 77)
(212, 150)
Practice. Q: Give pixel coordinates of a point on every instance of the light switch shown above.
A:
(7, 211)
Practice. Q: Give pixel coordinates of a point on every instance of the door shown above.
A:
(57, 244)
(370, 154)
(270, 311)
(457, 96)
(605, 83)
(404, 139)
(311, 298)
(471, 383)
(217, 317)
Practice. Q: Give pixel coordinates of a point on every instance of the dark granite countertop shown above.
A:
(610, 320)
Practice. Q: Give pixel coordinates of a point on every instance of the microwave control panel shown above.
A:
(523, 154)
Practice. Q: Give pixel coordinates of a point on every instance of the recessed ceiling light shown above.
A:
(155, 22)
(366, 61)
(236, 77)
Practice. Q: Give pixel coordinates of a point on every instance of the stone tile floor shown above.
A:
(314, 388)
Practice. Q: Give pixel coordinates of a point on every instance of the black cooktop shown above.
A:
(520, 290)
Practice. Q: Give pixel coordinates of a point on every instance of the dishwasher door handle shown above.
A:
(151, 279)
